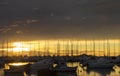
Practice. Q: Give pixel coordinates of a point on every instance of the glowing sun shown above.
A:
(18, 47)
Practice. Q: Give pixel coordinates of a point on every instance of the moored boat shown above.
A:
(62, 67)
(99, 63)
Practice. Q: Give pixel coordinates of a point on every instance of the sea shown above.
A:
(86, 72)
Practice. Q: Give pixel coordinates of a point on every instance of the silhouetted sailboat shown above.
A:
(100, 62)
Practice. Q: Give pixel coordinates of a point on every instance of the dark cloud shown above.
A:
(60, 18)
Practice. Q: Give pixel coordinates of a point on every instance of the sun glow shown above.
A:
(62, 47)
(18, 47)
(17, 64)
(18, 44)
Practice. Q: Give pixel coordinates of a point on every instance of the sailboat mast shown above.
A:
(80, 47)
(71, 48)
(11, 48)
(47, 48)
(39, 49)
(7, 48)
(119, 46)
(94, 47)
(77, 46)
(58, 48)
(108, 48)
(86, 46)
(99, 48)
(114, 47)
(67, 48)
(104, 47)
(2, 49)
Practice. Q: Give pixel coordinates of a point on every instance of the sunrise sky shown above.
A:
(30, 21)
(97, 47)
(59, 19)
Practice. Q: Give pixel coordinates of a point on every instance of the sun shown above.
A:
(19, 46)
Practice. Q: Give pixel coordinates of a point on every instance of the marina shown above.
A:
(59, 37)
(78, 72)
(73, 59)
(47, 66)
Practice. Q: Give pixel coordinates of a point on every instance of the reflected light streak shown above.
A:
(17, 64)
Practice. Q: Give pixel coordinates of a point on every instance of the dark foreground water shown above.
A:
(85, 72)
(90, 72)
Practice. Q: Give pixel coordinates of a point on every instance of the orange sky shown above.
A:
(84, 46)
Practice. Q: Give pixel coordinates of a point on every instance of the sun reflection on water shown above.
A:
(17, 64)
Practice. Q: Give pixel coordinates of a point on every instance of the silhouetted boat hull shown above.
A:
(100, 66)
(66, 69)
(46, 72)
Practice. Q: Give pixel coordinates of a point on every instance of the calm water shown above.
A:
(92, 72)
(87, 72)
